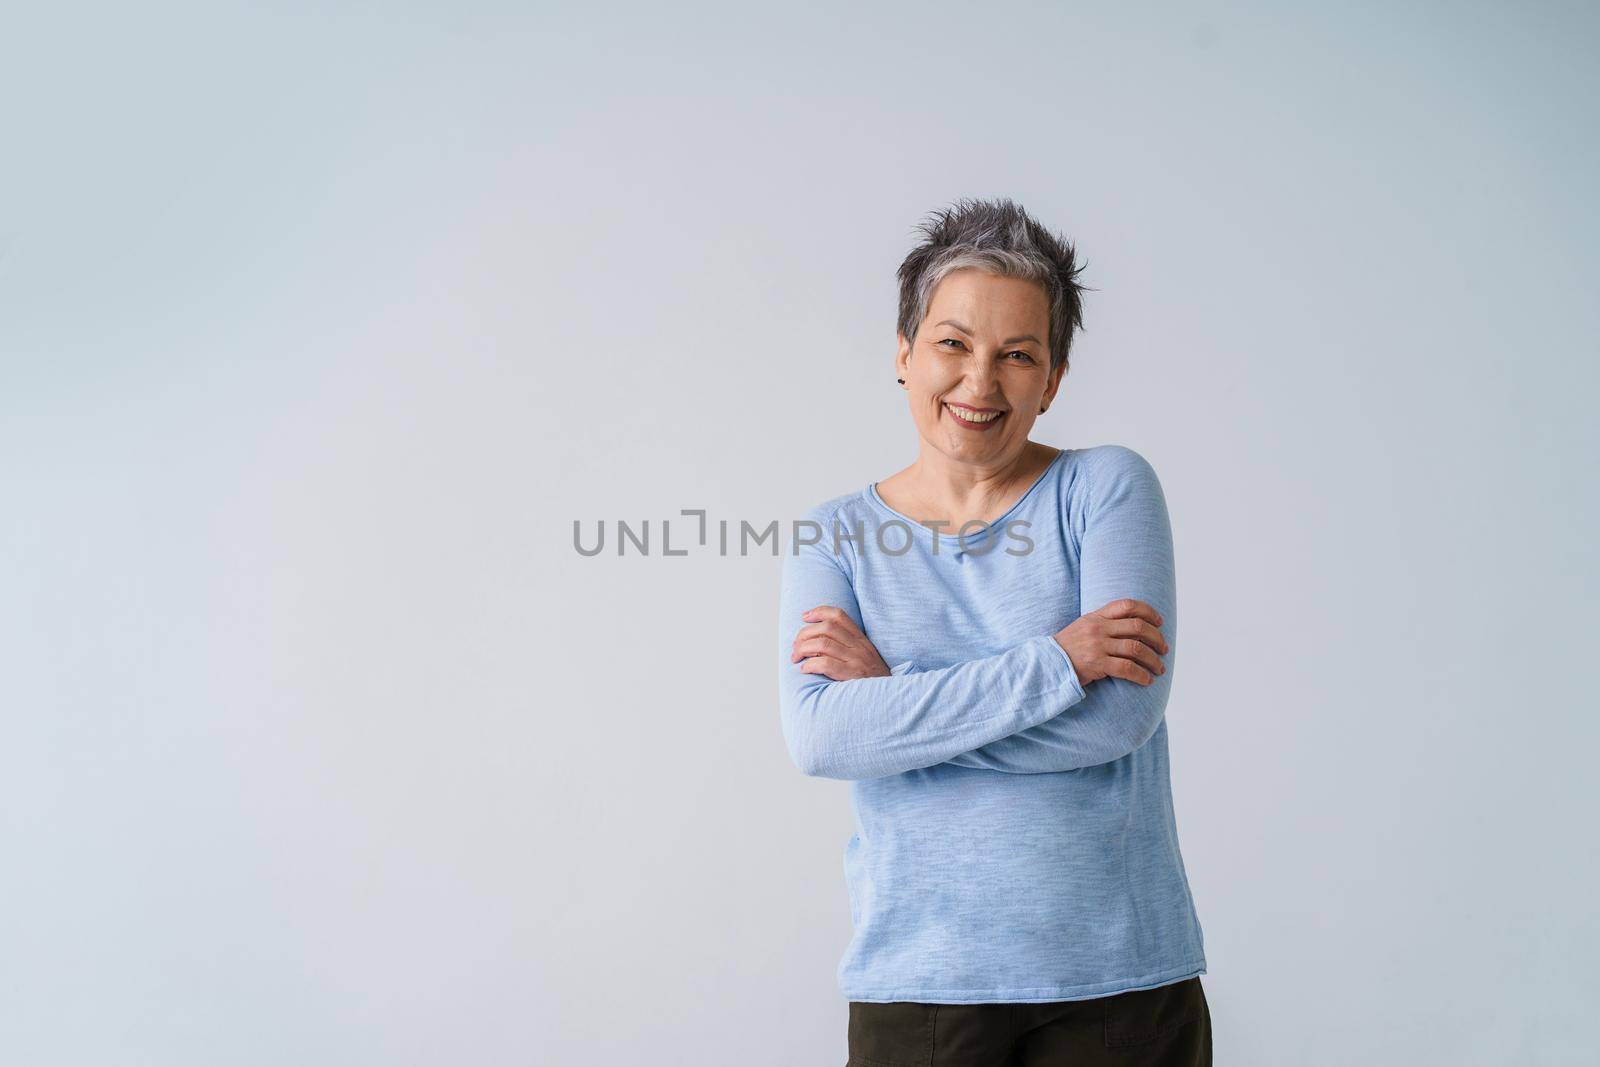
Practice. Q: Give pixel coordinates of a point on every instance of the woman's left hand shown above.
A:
(834, 647)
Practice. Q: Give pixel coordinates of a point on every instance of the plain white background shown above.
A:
(319, 743)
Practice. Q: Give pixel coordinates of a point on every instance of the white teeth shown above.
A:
(973, 416)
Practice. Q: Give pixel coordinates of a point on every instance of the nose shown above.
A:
(980, 376)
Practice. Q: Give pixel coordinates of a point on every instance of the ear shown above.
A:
(1054, 384)
(902, 359)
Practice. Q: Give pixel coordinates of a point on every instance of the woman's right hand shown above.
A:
(1120, 640)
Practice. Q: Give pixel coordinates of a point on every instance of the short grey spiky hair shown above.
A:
(999, 237)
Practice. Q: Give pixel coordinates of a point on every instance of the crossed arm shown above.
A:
(1022, 711)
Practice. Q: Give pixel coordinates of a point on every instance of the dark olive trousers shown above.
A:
(1168, 1026)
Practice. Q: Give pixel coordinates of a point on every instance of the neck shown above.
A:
(958, 487)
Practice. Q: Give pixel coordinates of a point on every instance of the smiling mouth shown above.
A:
(977, 419)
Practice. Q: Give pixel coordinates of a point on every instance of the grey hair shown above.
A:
(998, 237)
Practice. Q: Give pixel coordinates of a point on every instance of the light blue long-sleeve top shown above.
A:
(1015, 838)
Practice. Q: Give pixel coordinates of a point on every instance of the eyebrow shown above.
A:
(1007, 341)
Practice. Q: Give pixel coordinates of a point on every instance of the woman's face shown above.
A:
(983, 344)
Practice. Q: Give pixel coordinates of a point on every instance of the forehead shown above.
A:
(981, 300)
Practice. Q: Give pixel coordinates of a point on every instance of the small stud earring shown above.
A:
(902, 381)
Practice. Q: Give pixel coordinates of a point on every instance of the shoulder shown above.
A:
(1104, 473)
(833, 527)
(1114, 461)
(845, 508)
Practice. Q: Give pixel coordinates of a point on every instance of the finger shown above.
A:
(829, 613)
(818, 644)
(831, 630)
(813, 628)
(1140, 629)
(1140, 653)
(1128, 608)
(826, 666)
(1117, 667)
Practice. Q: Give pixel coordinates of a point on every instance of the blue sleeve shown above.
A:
(873, 727)
(1126, 552)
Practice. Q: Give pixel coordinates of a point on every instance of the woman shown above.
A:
(1015, 883)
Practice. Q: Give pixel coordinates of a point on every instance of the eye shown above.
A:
(1021, 353)
(951, 341)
